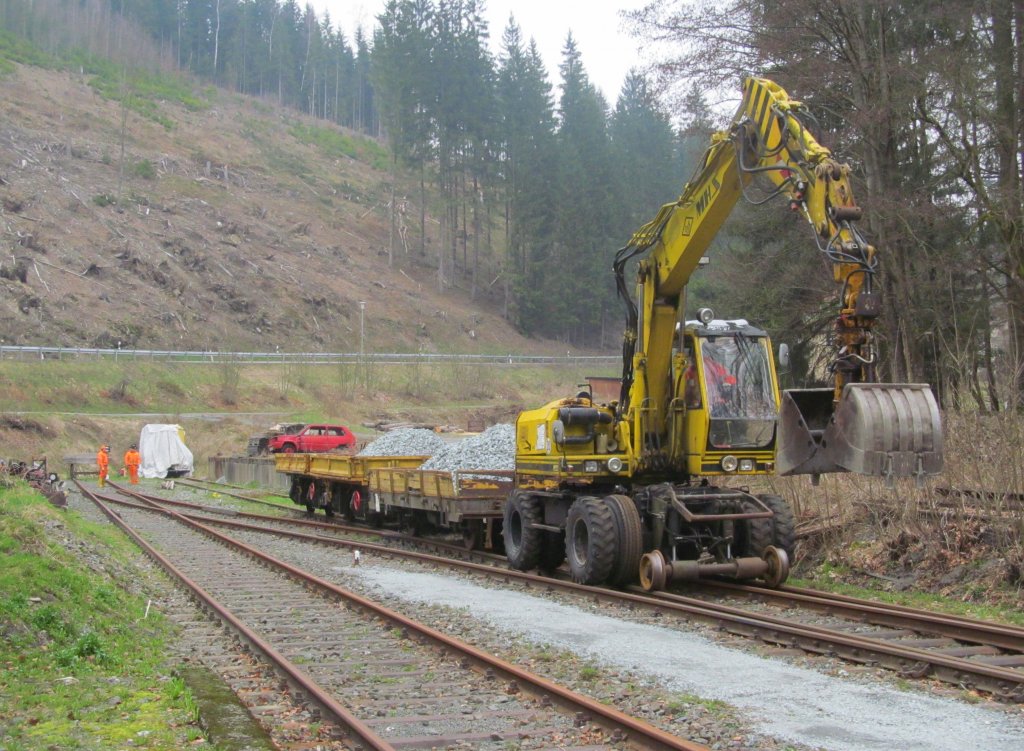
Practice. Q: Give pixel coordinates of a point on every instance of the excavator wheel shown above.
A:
(552, 551)
(522, 540)
(630, 539)
(783, 523)
(590, 540)
(757, 534)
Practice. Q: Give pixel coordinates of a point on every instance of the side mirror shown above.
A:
(783, 355)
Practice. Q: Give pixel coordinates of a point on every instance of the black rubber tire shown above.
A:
(629, 536)
(784, 524)
(552, 551)
(522, 541)
(590, 540)
(759, 533)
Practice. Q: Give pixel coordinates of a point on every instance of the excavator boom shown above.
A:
(858, 425)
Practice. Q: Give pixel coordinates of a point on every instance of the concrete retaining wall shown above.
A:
(244, 470)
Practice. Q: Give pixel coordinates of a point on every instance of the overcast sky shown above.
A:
(606, 50)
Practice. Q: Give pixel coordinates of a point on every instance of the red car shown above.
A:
(314, 439)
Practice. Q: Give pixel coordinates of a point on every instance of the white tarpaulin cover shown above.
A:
(162, 449)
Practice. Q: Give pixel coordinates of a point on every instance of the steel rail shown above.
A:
(1004, 683)
(296, 676)
(199, 485)
(955, 627)
(618, 723)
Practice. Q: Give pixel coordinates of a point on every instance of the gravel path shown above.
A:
(782, 700)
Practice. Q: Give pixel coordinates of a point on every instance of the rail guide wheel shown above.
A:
(653, 571)
(778, 566)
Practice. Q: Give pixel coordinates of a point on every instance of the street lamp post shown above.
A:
(362, 328)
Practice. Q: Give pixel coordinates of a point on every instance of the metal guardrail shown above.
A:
(14, 352)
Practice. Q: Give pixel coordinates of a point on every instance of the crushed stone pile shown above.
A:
(495, 448)
(405, 442)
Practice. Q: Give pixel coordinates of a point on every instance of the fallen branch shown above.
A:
(41, 277)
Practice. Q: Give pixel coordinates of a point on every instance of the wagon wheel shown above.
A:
(472, 534)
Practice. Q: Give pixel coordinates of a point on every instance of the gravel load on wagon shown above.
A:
(405, 442)
(495, 448)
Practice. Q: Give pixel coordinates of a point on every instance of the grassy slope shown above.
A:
(229, 224)
(75, 405)
(83, 667)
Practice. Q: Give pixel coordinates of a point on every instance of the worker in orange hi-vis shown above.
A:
(102, 462)
(132, 460)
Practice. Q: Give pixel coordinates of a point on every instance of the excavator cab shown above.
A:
(738, 422)
(731, 396)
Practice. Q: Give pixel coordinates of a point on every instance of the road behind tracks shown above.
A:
(388, 683)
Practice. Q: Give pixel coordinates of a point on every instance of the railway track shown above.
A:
(252, 495)
(913, 643)
(389, 681)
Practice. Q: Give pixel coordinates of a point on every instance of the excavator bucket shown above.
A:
(885, 430)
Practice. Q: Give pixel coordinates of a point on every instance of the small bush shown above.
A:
(88, 646)
(144, 169)
(104, 199)
(49, 619)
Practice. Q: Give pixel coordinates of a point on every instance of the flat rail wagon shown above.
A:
(394, 491)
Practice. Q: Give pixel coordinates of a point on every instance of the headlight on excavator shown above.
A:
(614, 464)
(729, 463)
(746, 465)
(590, 466)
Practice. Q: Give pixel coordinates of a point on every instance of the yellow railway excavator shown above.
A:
(651, 485)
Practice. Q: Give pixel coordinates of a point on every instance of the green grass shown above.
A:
(829, 578)
(143, 92)
(15, 49)
(83, 667)
(334, 143)
(308, 392)
(680, 703)
(139, 90)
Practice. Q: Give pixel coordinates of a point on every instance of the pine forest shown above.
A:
(523, 188)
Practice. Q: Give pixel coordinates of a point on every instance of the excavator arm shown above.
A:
(888, 429)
